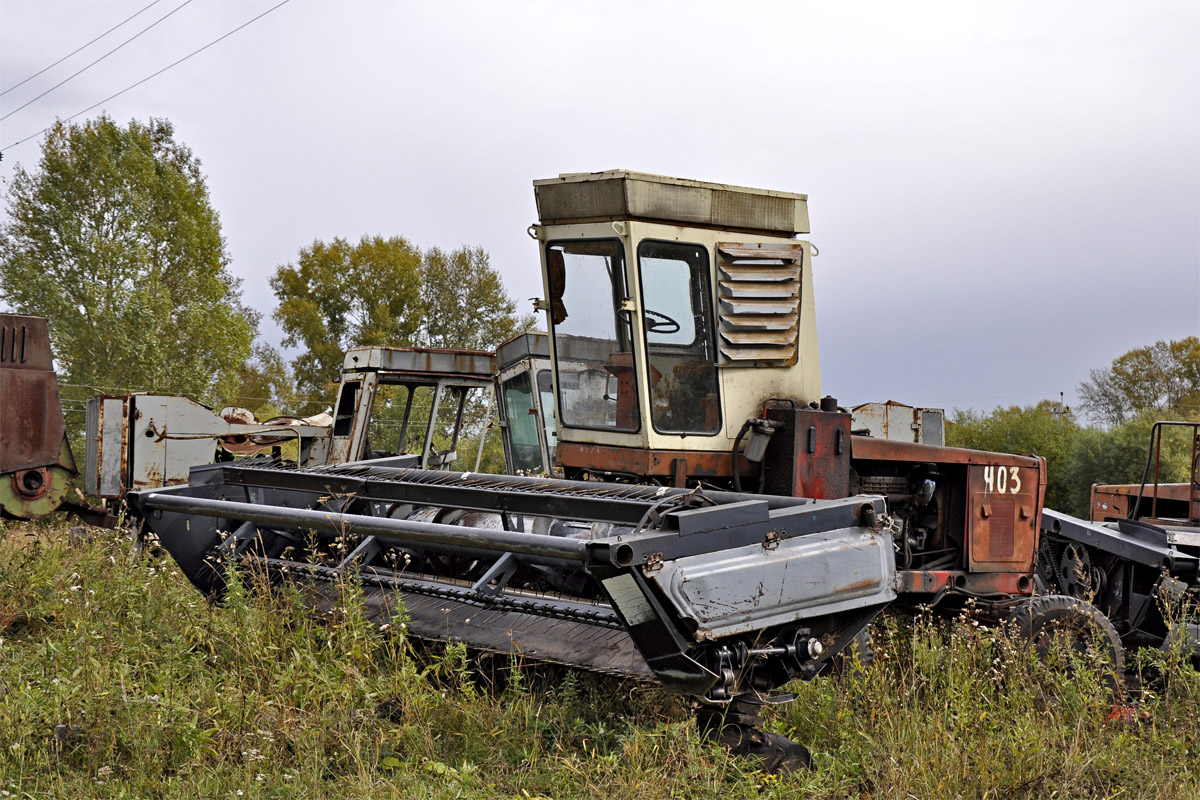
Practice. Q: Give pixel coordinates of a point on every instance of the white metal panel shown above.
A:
(750, 588)
(759, 296)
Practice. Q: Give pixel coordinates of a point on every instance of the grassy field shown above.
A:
(117, 679)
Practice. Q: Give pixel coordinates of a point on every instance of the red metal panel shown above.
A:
(872, 449)
(1112, 502)
(1004, 496)
(638, 461)
(1002, 517)
(809, 456)
(934, 581)
(31, 422)
(1177, 503)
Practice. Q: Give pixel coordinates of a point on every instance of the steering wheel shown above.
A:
(658, 322)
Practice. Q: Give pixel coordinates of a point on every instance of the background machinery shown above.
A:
(402, 403)
(1137, 560)
(37, 467)
(525, 401)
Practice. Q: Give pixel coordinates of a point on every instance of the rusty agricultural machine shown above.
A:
(714, 522)
(1138, 552)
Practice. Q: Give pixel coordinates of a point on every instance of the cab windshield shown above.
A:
(597, 382)
(521, 417)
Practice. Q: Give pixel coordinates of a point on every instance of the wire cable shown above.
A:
(149, 77)
(77, 49)
(98, 60)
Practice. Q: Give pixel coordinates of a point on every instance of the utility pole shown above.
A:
(1062, 409)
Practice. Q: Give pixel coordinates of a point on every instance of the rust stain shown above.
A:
(151, 479)
(869, 448)
(866, 583)
(31, 484)
(643, 461)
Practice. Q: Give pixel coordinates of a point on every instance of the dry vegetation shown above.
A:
(118, 680)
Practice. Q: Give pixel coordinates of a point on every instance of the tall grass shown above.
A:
(117, 679)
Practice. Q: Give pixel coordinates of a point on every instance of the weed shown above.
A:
(117, 679)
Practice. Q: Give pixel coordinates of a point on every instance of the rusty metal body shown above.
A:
(31, 421)
(36, 463)
(145, 441)
(1161, 503)
(892, 420)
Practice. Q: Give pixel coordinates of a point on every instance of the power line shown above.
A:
(77, 49)
(149, 77)
(97, 61)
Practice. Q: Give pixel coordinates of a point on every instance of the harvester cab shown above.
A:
(525, 395)
(677, 309)
(386, 393)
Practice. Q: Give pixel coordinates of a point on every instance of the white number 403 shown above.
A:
(1002, 479)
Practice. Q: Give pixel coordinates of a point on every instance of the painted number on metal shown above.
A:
(1005, 480)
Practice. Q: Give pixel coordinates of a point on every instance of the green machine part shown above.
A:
(36, 492)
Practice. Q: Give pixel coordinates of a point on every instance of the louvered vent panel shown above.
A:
(759, 303)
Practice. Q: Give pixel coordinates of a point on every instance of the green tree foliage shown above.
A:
(114, 239)
(1076, 456)
(1036, 429)
(492, 458)
(1119, 455)
(340, 295)
(386, 292)
(465, 302)
(1164, 377)
(268, 386)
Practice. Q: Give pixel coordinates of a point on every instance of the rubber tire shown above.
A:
(1049, 614)
(1186, 637)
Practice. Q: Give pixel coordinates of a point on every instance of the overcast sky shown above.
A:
(1004, 195)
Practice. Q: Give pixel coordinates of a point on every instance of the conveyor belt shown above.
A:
(564, 634)
(568, 642)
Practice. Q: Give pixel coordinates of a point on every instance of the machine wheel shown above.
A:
(1078, 576)
(1083, 627)
(1184, 638)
